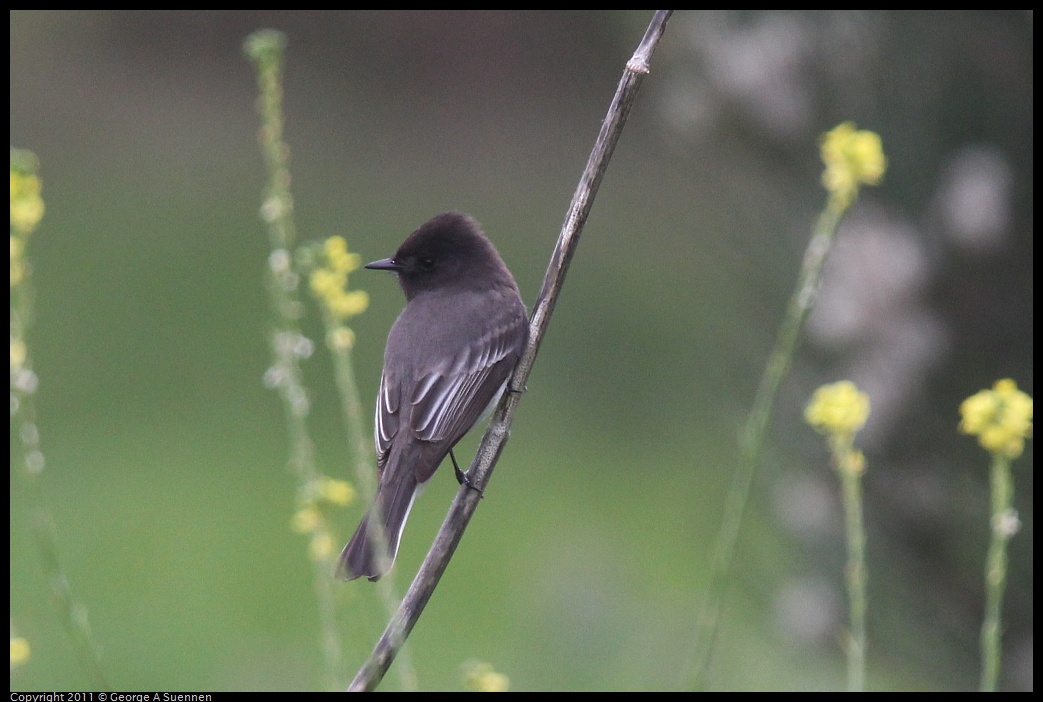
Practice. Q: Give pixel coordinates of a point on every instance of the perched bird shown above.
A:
(448, 357)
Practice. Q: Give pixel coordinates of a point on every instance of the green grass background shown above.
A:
(586, 563)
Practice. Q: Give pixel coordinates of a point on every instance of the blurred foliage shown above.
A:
(585, 566)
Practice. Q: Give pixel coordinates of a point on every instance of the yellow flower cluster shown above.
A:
(26, 203)
(26, 212)
(17, 264)
(337, 492)
(309, 518)
(20, 650)
(852, 158)
(481, 677)
(329, 282)
(839, 409)
(1001, 418)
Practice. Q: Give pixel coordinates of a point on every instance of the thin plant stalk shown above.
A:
(289, 346)
(852, 158)
(1001, 418)
(855, 574)
(1002, 494)
(24, 385)
(755, 431)
(362, 458)
(839, 410)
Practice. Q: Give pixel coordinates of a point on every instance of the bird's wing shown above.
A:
(386, 425)
(450, 398)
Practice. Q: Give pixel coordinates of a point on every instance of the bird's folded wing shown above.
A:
(448, 400)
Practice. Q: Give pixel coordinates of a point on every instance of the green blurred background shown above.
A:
(585, 566)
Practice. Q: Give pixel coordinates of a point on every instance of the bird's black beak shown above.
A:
(385, 264)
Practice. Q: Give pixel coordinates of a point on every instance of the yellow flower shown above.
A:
(852, 158)
(338, 492)
(18, 353)
(338, 256)
(20, 650)
(341, 338)
(334, 246)
(325, 282)
(854, 462)
(321, 546)
(1001, 418)
(306, 520)
(840, 409)
(17, 267)
(348, 303)
(26, 203)
(329, 282)
(481, 677)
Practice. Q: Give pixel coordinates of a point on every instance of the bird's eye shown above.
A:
(427, 264)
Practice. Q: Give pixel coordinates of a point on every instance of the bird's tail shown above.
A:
(372, 549)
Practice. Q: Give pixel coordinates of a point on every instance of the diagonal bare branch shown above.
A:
(466, 501)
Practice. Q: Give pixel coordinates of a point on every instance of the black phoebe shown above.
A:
(448, 357)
